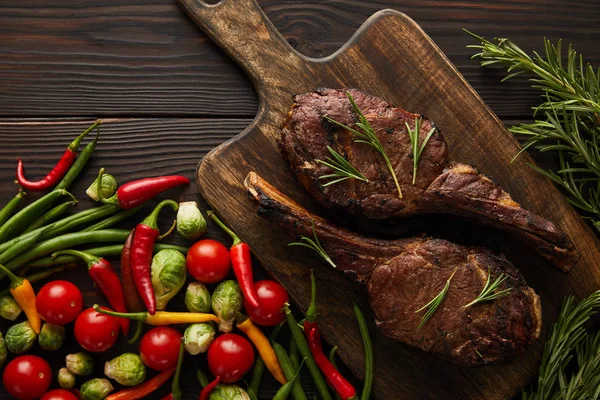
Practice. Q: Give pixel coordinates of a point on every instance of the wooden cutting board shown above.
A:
(389, 56)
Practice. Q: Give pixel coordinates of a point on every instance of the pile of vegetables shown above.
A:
(224, 318)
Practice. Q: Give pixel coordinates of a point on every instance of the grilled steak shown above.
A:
(441, 186)
(403, 275)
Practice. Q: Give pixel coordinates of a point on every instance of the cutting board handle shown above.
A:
(242, 29)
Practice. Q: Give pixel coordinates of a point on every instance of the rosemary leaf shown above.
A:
(314, 245)
(434, 304)
(342, 169)
(489, 292)
(367, 136)
(413, 135)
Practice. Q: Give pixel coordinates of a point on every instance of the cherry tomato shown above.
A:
(208, 261)
(27, 377)
(96, 332)
(271, 298)
(159, 348)
(230, 356)
(59, 302)
(59, 394)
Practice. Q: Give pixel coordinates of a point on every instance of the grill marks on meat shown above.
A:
(403, 275)
(442, 186)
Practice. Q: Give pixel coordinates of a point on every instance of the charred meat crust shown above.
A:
(441, 186)
(403, 275)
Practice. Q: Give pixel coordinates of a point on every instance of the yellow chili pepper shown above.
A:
(24, 295)
(262, 344)
(162, 317)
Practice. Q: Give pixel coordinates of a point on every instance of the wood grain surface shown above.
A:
(168, 94)
(389, 56)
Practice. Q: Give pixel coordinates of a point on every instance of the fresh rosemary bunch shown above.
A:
(367, 136)
(568, 121)
(570, 368)
(489, 292)
(413, 135)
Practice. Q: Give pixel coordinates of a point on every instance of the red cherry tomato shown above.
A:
(59, 302)
(59, 394)
(271, 298)
(159, 348)
(96, 332)
(230, 356)
(27, 377)
(208, 261)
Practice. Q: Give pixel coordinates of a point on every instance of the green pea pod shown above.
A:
(51, 216)
(20, 338)
(27, 215)
(79, 163)
(66, 379)
(10, 207)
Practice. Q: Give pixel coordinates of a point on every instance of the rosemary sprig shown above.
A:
(569, 340)
(342, 169)
(489, 290)
(314, 245)
(369, 137)
(568, 121)
(433, 305)
(414, 144)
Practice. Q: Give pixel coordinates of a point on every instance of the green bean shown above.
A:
(79, 163)
(292, 384)
(368, 345)
(332, 361)
(298, 335)
(294, 353)
(201, 378)
(28, 214)
(50, 216)
(257, 374)
(105, 251)
(67, 241)
(38, 276)
(107, 223)
(20, 247)
(8, 209)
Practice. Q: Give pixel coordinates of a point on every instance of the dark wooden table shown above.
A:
(167, 94)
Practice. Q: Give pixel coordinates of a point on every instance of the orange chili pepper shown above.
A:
(162, 318)
(24, 295)
(263, 346)
(144, 389)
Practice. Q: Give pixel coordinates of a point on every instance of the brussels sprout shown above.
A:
(96, 389)
(51, 337)
(80, 363)
(228, 392)
(127, 369)
(198, 337)
(2, 350)
(66, 379)
(20, 338)
(108, 187)
(226, 300)
(168, 275)
(190, 222)
(197, 298)
(9, 308)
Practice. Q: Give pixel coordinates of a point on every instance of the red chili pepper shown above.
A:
(133, 301)
(209, 388)
(59, 170)
(145, 235)
(107, 280)
(341, 386)
(143, 389)
(135, 193)
(175, 388)
(241, 260)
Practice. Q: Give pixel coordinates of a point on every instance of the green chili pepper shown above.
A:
(288, 371)
(79, 163)
(104, 251)
(27, 215)
(291, 385)
(50, 216)
(107, 223)
(67, 241)
(10, 207)
(369, 359)
(314, 371)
